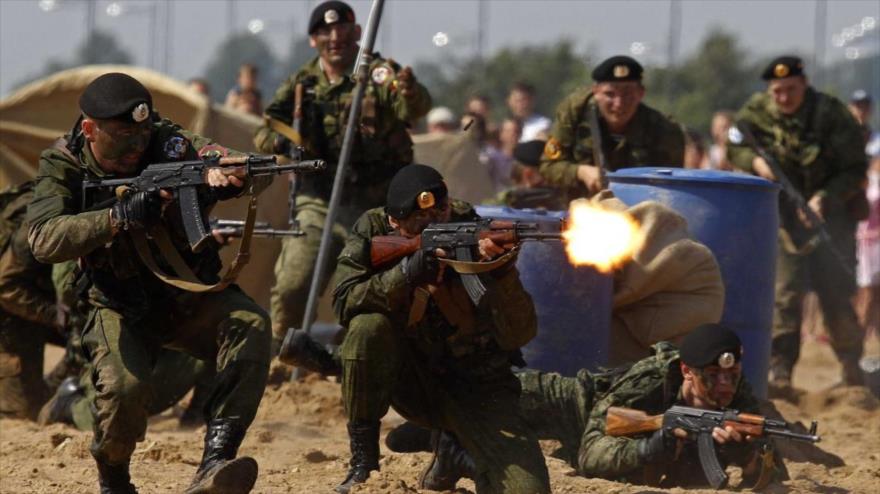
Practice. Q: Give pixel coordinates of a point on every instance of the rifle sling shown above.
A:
(474, 267)
(186, 279)
(285, 130)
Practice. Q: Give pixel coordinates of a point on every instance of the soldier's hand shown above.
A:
(422, 267)
(589, 175)
(282, 145)
(226, 176)
(659, 445)
(138, 210)
(489, 249)
(762, 169)
(406, 81)
(220, 237)
(728, 434)
(817, 204)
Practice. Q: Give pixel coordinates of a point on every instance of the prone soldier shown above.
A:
(416, 341)
(631, 133)
(309, 110)
(134, 313)
(818, 146)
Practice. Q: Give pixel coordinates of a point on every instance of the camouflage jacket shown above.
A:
(651, 139)
(62, 226)
(26, 290)
(383, 144)
(529, 198)
(819, 147)
(480, 338)
(652, 384)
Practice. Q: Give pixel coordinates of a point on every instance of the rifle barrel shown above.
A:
(787, 434)
(301, 167)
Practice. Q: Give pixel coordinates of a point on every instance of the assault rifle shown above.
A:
(460, 240)
(792, 200)
(184, 178)
(698, 424)
(235, 229)
(598, 151)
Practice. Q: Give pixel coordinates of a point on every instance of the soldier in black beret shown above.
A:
(783, 67)
(330, 13)
(415, 340)
(529, 190)
(632, 133)
(133, 314)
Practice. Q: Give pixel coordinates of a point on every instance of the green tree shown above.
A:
(235, 50)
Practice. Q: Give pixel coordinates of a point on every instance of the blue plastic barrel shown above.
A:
(573, 303)
(736, 216)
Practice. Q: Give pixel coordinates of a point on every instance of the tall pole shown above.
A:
(151, 39)
(672, 42)
(482, 27)
(91, 18)
(230, 16)
(819, 42)
(169, 33)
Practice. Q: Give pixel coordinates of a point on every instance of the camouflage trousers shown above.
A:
(296, 263)
(381, 369)
(173, 375)
(557, 407)
(225, 327)
(819, 271)
(22, 388)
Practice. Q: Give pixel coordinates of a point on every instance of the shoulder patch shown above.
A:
(552, 151)
(213, 151)
(175, 147)
(381, 74)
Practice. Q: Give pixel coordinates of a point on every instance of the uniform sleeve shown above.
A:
(740, 154)
(513, 311)
(846, 154)
(413, 107)
(605, 456)
(281, 108)
(561, 171)
(672, 147)
(19, 293)
(359, 288)
(58, 230)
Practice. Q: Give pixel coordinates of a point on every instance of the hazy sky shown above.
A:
(29, 37)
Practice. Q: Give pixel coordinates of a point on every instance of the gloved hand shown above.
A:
(421, 267)
(406, 81)
(661, 444)
(137, 210)
(281, 145)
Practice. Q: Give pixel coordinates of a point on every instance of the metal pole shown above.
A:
(819, 42)
(360, 76)
(230, 16)
(91, 19)
(672, 44)
(482, 27)
(151, 38)
(169, 35)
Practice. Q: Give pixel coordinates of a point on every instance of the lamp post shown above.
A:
(51, 6)
(120, 9)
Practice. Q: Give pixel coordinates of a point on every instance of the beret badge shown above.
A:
(726, 360)
(425, 200)
(621, 71)
(781, 70)
(140, 113)
(331, 16)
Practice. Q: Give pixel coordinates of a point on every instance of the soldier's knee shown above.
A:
(124, 390)
(366, 335)
(248, 336)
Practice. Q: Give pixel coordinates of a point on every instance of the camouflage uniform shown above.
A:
(134, 314)
(651, 139)
(28, 312)
(382, 147)
(820, 151)
(455, 377)
(572, 410)
(529, 198)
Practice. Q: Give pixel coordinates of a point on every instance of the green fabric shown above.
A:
(225, 327)
(530, 198)
(383, 143)
(22, 389)
(820, 150)
(651, 139)
(652, 385)
(431, 373)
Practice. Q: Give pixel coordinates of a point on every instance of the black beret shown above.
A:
(405, 192)
(329, 13)
(710, 344)
(782, 67)
(529, 153)
(618, 68)
(116, 96)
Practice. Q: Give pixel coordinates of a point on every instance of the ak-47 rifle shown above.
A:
(460, 241)
(361, 78)
(598, 152)
(698, 424)
(792, 201)
(235, 229)
(183, 178)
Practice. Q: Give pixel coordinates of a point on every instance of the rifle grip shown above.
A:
(385, 249)
(621, 421)
(195, 225)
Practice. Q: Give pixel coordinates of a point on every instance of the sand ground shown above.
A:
(300, 442)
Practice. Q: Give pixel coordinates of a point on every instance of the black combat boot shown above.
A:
(220, 471)
(306, 353)
(114, 479)
(364, 437)
(449, 463)
(409, 438)
(59, 409)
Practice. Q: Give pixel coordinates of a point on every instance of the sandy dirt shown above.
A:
(300, 442)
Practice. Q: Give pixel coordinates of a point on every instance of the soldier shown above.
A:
(315, 100)
(29, 315)
(633, 134)
(415, 340)
(705, 373)
(819, 147)
(530, 191)
(134, 313)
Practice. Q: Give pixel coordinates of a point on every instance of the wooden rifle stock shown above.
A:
(625, 422)
(386, 249)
